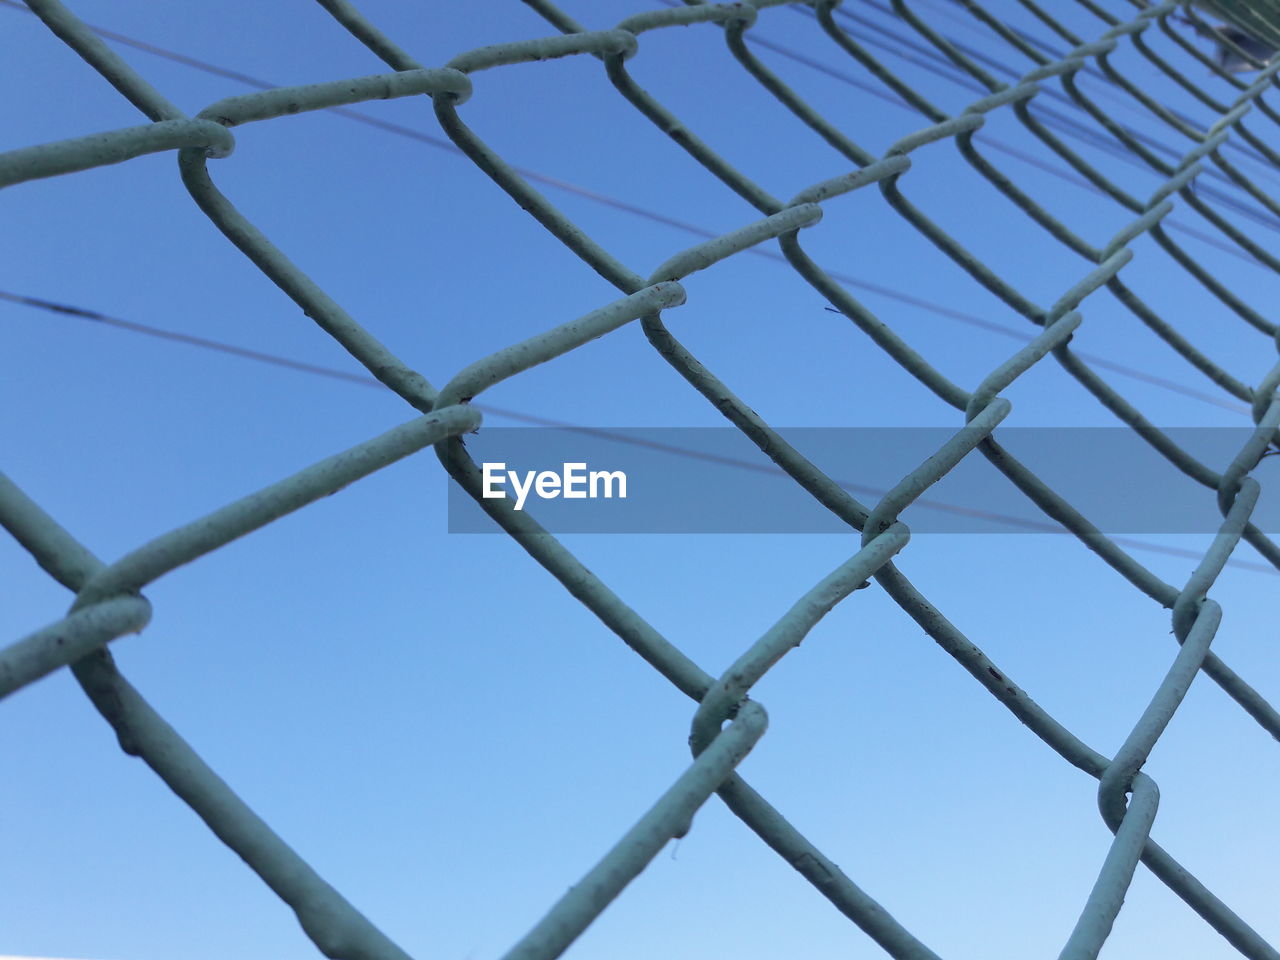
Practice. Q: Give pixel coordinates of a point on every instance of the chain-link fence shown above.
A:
(727, 724)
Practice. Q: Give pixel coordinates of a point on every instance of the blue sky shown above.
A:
(442, 731)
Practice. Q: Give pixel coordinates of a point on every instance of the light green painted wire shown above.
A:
(726, 724)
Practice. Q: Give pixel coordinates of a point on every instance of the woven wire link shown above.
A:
(726, 724)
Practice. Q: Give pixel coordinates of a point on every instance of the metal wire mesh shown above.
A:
(726, 724)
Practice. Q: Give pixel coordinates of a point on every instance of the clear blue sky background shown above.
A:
(429, 718)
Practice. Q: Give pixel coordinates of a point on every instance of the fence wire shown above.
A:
(727, 724)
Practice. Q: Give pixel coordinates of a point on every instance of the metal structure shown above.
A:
(109, 602)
